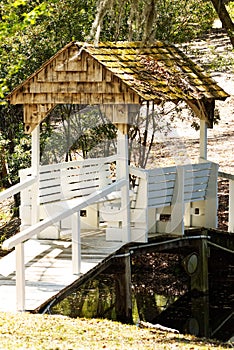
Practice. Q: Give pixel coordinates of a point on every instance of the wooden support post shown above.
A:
(176, 224)
(124, 289)
(203, 139)
(123, 173)
(76, 244)
(35, 160)
(231, 206)
(211, 202)
(199, 280)
(20, 277)
(198, 325)
(128, 286)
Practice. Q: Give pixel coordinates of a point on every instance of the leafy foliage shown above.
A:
(174, 21)
(30, 33)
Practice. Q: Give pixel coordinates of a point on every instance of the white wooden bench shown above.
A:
(59, 183)
(168, 199)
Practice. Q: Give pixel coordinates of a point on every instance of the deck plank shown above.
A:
(49, 267)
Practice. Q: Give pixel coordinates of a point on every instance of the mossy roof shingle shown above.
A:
(156, 71)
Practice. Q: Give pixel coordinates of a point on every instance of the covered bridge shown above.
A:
(120, 78)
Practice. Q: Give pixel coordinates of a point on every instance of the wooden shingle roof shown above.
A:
(159, 71)
(115, 73)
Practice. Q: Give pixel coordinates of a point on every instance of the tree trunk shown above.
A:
(224, 18)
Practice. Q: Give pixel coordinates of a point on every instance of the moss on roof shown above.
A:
(154, 72)
(158, 71)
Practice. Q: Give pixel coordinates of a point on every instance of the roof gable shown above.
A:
(113, 73)
(160, 71)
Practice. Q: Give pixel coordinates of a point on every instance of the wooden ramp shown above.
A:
(49, 267)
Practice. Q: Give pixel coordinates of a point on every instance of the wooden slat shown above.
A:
(162, 178)
(161, 193)
(194, 196)
(84, 177)
(52, 198)
(159, 202)
(75, 87)
(47, 191)
(81, 185)
(162, 171)
(195, 188)
(89, 169)
(158, 186)
(196, 181)
(76, 98)
(198, 166)
(198, 173)
(49, 183)
(76, 163)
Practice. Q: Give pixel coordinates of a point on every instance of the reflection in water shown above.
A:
(172, 306)
(96, 298)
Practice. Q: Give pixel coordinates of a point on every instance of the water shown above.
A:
(160, 294)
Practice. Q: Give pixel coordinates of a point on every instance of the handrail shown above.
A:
(142, 173)
(225, 175)
(17, 188)
(73, 207)
(74, 163)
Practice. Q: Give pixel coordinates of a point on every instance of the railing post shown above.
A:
(211, 202)
(203, 139)
(76, 243)
(20, 277)
(231, 206)
(35, 160)
(176, 224)
(122, 173)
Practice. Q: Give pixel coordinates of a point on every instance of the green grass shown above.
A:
(28, 331)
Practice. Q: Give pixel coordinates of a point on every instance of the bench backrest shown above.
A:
(156, 187)
(69, 180)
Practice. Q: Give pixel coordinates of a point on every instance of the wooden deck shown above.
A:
(49, 267)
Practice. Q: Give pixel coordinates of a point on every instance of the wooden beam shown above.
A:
(34, 114)
(204, 109)
(76, 243)
(203, 139)
(20, 277)
(123, 173)
(76, 98)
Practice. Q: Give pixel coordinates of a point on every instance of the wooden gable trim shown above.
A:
(70, 79)
(204, 110)
(54, 84)
(34, 114)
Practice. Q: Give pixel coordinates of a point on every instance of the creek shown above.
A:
(161, 295)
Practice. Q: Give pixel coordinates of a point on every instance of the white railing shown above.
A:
(78, 184)
(17, 188)
(60, 182)
(82, 183)
(186, 194)
(73, 210)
